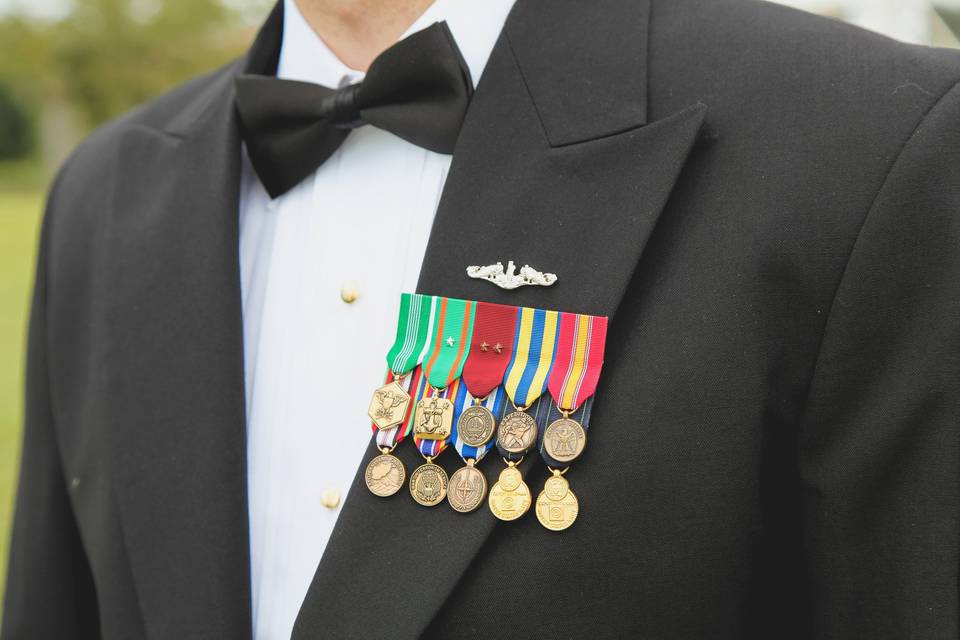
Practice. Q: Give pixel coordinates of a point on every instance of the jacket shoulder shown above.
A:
(790, 86)
(82, 191)
(92, 160)
(761, 36)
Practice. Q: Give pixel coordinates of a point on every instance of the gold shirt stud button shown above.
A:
(349, 293)
(330, 498)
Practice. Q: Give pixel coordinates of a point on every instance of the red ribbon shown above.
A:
(494, 327)
(578, 360)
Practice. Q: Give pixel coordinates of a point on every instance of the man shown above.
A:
(765, 204)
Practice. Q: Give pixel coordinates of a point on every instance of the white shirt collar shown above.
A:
(475, 27)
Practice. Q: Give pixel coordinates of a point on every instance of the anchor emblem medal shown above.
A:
(390, 407)
(485, 401)
(440, 400)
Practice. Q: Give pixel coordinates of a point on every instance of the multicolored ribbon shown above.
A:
(534, 345)
(578, 360)
(573, 379)
(452, 332)
(415, 322)
(415, 325)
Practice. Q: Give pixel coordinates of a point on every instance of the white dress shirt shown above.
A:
(359, 225)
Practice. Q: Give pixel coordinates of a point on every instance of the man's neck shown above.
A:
(357, 31)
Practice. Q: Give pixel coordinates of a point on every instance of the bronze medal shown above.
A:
(476, 425)
(428, 484)
(384, 475)
(467, 488)
(564, 440)
(433, 419)
(517, 432)
(388, 405)
(510, 496)
(557, 507)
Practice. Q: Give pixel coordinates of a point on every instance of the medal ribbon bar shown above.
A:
(533, 351)
(414, 332)
(451, 342)
(391, 408)
(572, 381)
(579, 359)
(491, 349)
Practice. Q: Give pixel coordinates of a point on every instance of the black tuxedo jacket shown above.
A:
(766, 204)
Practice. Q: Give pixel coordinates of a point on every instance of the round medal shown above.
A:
(476, 425)
(428, 484)
(510, 479)
(517, 433)
(467, 489)
(509, 497)
(557, 507)
(384, 475)
(564, 440)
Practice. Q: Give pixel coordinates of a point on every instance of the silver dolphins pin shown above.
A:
(509, 278)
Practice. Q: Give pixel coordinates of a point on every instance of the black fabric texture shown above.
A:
(765, 203)
(418, 89)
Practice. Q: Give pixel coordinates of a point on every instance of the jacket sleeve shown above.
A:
(879, 456)
(50, 591)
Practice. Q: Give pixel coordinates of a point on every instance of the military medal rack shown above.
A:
(479, 376)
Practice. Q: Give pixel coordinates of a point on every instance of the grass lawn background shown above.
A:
(19, 225)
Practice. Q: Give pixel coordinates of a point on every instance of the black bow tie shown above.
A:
(418, 89)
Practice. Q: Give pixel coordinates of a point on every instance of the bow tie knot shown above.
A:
(342, 107)
(418, 90)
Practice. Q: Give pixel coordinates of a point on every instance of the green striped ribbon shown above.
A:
(414, 329)
(452, 332)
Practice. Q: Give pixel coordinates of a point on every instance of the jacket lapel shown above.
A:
(177, 408)
(177, 361)
(553, 168)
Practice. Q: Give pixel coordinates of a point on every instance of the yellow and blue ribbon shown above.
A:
(534, 346)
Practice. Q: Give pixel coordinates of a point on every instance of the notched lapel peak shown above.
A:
(177, 409)
(562, 48)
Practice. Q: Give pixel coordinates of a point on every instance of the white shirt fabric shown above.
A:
(312, 361)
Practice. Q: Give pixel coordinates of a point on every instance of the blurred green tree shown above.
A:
(16, 127)
(104, 57)
(113, 54)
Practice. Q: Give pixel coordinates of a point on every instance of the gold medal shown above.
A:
(509, 496)
(428, 484)
(433, 419)
(467, 489)
(517, 432)
(557, 507)
(388, 405)
(564, 439)
(476, 425)
(385, 474)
